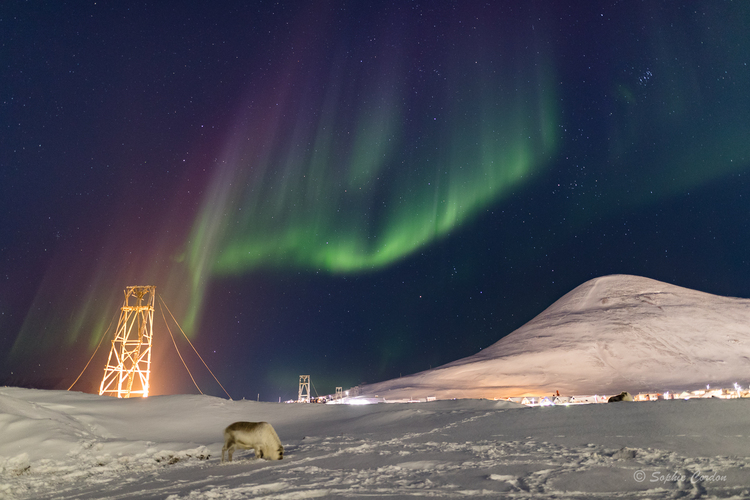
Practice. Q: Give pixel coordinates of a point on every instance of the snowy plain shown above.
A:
(70, 445)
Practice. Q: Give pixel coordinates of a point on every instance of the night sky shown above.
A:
(355, 190)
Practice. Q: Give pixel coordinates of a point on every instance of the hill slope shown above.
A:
(610, 334)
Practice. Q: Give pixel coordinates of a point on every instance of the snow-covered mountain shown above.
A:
(610, 334)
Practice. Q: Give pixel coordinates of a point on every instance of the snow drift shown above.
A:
(610, 334)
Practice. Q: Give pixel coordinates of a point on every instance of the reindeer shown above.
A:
(259, 436)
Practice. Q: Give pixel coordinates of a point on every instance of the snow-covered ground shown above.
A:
(63, 445)
(611, 334)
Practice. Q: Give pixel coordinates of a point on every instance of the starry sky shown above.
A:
(351, 190)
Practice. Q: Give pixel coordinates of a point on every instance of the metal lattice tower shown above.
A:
(129, 364)
(304, 389)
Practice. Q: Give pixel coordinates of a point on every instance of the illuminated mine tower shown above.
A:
(129, 363)
(304, 389)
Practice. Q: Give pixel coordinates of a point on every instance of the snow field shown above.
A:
(63, 445)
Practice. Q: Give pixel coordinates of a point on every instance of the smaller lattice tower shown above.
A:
(129, 364)
(304, 389)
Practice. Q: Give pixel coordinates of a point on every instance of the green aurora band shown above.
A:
(340, 165)
(355, 186)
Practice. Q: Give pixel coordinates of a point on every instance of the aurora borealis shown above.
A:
(357, 192)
